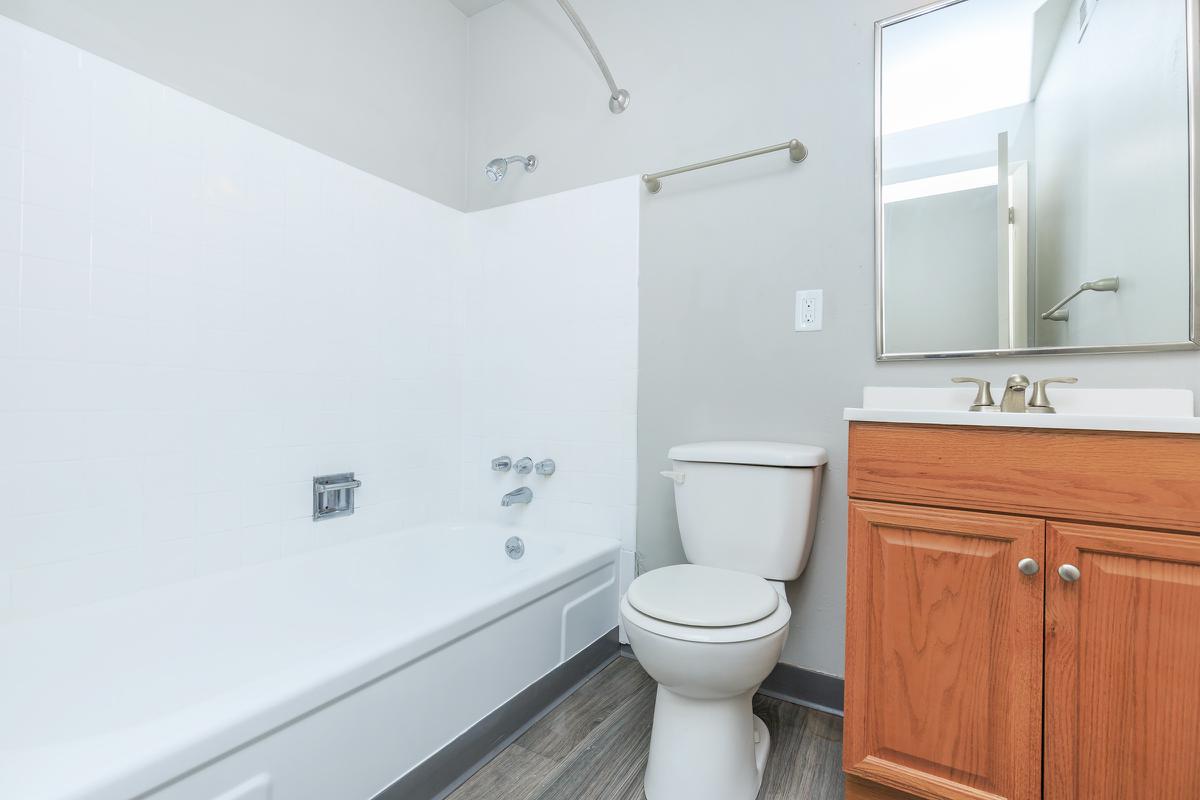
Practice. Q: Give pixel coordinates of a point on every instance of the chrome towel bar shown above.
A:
(796, 150)
(1061, 314)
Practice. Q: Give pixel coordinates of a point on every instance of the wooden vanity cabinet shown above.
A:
(944, 651)
(1122, 685)
(968, 678)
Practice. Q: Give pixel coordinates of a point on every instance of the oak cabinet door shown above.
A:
(944, 652)
(1122, 664)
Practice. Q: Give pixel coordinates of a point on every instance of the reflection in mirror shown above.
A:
(1034, 181)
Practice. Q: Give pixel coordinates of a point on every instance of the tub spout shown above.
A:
(522, 495)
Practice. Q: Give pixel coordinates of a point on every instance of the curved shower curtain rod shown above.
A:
(618, 99)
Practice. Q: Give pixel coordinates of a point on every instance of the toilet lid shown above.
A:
(704, 597)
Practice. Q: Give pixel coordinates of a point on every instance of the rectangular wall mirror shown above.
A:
(1035, 182)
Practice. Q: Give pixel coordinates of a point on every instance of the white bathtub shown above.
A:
(321, 677)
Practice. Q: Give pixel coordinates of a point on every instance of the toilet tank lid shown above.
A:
(760, 454)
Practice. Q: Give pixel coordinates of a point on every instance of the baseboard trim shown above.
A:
(805, 687)
(443, 772)
(793, 684)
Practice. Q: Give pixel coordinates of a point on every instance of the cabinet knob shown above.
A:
(1069, 573)
(1028, 566)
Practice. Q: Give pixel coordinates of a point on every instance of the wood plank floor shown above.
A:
(593, 747)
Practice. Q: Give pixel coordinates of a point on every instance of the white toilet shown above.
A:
(710, 631)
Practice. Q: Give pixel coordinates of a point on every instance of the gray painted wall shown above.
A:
(377, 84)
(723, 251)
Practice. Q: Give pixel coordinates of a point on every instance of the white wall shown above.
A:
(723, 251)
(196, 317)
(378, 85)
(941, 272)
(1112, 177)
(958, 145)
(548, 305)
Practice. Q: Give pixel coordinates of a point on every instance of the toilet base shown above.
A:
(705, 749)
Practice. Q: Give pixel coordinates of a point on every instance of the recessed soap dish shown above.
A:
(333, 495)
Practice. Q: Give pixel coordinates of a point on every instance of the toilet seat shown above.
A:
(733, 634)
(686, 633)
(703, 597)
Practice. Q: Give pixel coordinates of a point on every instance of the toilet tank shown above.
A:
(748, 506)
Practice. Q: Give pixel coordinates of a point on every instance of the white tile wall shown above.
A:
(549, 312)
(196, 317)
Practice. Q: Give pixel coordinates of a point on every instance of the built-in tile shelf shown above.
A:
(1143, 410)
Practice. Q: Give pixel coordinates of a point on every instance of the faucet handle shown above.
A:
(1040, 404)
(501, 464)
(983, 398)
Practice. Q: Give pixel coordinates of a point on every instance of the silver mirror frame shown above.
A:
(1192, 343)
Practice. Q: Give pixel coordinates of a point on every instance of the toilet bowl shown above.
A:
(710, 631)
(705, 743)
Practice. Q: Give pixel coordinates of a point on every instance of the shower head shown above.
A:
(497, 168)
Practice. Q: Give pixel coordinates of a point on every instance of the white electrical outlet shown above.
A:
(809, 309)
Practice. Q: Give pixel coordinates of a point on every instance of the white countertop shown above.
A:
(1142, 410)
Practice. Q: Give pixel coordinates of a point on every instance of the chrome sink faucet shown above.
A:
(522, 495)
(1013, 401)
(983, 397)
(1040, 404)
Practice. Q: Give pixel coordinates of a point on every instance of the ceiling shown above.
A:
(963, 60)
(470, 7)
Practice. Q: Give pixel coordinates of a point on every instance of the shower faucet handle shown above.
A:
(501, 464)
(523, 466)
(545, 467)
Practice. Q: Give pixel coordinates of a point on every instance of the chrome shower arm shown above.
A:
(618, 100)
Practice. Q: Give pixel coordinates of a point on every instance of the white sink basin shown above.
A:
(1148, 410)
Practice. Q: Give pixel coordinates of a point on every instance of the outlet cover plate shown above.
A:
(810, 310)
